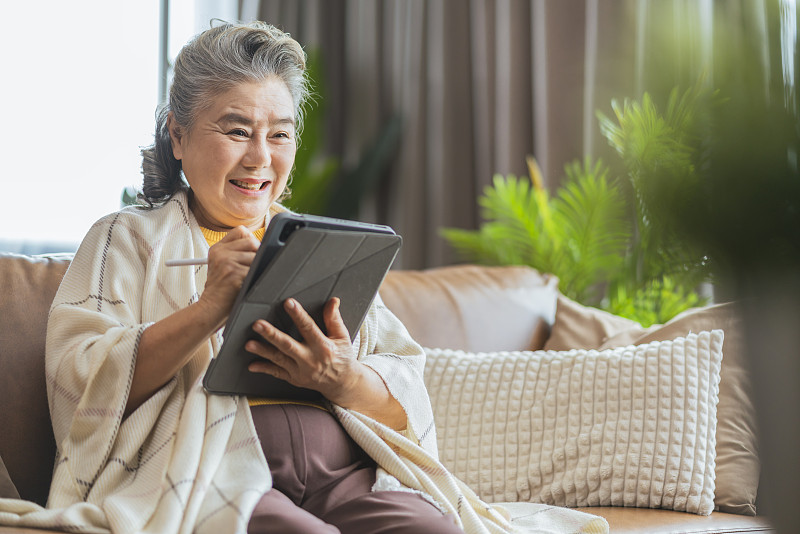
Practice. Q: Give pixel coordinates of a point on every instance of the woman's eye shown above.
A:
(238, 132)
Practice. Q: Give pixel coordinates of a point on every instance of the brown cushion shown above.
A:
(473, 308)
(737, 464)
(581, 327)
(27, 445)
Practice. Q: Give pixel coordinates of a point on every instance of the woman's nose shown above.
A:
(258, 153)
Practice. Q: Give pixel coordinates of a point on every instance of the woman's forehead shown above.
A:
(252, 102)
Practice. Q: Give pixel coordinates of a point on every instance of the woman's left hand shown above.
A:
(324, 363)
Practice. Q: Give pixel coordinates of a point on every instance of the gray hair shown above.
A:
(211, 63)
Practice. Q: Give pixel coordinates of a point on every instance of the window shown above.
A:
(80, 89)
(80, 92)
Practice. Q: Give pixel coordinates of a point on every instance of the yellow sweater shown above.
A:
(213, 237)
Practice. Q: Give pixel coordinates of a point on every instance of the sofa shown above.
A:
(470, 319)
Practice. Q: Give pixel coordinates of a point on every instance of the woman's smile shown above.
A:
(252, 186)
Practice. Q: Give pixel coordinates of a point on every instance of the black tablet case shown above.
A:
(310, 259)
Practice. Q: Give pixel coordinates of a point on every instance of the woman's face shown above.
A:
(238, 154)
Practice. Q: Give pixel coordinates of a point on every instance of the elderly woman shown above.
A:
(141, 446)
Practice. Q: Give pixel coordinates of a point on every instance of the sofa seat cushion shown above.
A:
(620, 521)
(474, 308)
(654, 521)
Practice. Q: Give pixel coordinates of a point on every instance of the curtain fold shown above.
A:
(460, 77)
(478, 85)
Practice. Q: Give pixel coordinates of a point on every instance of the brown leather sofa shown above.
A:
(468, 307)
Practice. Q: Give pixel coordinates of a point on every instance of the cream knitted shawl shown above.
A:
(186, 461)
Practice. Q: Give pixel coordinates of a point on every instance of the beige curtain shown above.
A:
(478, 85)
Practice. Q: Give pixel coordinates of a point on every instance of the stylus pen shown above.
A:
(186, 261)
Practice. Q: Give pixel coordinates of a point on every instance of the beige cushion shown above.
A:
(581, 327)
(474, 308)
(738, 467)
(631, 426)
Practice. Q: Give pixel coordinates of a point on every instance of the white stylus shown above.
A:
(186, 261)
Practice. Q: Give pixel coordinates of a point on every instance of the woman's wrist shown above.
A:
(369, 395)
(210, 313)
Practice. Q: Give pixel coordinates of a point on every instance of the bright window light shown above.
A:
(187, 18)
(80, 88)
(81, 91)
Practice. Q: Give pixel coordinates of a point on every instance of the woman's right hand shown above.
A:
(228, 263)
(167, 345)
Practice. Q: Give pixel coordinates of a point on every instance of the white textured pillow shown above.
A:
(631, 426)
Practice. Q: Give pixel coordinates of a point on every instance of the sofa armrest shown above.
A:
(27, 446)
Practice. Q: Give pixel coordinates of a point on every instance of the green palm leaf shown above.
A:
(580, 235)
(607, 247)
(592, 213)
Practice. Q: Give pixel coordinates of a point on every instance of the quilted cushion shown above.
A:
(632, 426)
(738, 467)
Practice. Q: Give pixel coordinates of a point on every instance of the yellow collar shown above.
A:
(213, 236)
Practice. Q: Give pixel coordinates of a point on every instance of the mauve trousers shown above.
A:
(322, 482)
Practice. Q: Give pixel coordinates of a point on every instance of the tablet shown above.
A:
(311, 259)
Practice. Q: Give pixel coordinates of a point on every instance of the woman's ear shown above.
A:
(176, 136)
